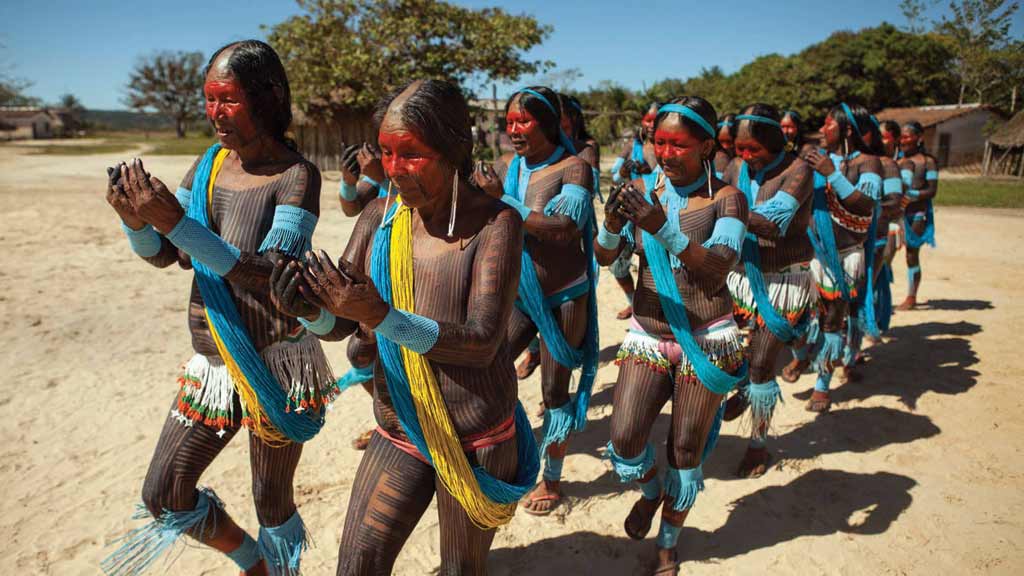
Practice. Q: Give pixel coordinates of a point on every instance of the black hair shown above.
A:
(727, 121)
(915, 127)
(572, 108)
(850, 129)
(436, 112)
(795, 144)
(767, 135)
(259, 70)
(892, 127)
(550, 120)
(702, 107)
(873, 127)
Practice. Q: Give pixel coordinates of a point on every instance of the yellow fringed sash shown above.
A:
(444, 445)
(258, 423)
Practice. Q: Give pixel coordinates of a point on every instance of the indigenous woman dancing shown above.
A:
(588, 150)
(249, 201)
(868, 310)
(893, 209)
(843, 213)
(726, 150)
(773, 291)
(635, 160)
(683, 344)
(551, 190)
(362, 180)
(919, 218)
(792, 129)
(432, 272)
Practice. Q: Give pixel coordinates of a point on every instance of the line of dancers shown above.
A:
(747, 241)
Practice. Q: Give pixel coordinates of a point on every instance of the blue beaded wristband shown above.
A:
(607, 239)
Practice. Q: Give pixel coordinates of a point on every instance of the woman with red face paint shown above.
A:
(588, 150)
(773, 292)
(894, 210)
(552, 191)
(880, 248)
(683, 344)
(793, 131)
(432, 271)
(726, 140)
(922, 182)
(249, 201)
(848, 184)
(868, 310)
(635, 160)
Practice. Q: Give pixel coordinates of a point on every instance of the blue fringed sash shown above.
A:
(775, 322)
(531, 298)
(822, 235)
(866, 300)
(221, 310)
(401, 394)
(712, 377)
(928, 237)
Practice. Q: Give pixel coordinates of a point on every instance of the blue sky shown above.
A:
(88, 47)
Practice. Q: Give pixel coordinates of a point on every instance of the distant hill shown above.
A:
(127, 120)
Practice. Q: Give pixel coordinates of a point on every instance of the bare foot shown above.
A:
(907, 304)
(754, 463)
(543, 499)
(528, 365)
(638, 523)
(792, 371)
(819, 402)
(735, 406)
(363, 440)
(625, 313)
(668, 563)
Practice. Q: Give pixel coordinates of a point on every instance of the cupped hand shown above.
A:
(153, 202)
(369, 162)
(613, 219)
(487, 180)
(343, 290)
(117, 197)
(647, 216)
(285, 281)
(822, 163)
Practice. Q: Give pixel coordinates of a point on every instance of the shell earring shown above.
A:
(455, 204)
(387, 200)
(707, 172)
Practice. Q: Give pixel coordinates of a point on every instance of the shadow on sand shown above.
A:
(818, 503)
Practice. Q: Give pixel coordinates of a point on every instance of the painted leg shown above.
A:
(390, 492)
(639, 395)
(464, 547)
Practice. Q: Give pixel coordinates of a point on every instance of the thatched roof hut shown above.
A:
(1004, 151)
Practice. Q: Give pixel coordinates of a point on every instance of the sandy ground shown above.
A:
(918, 469)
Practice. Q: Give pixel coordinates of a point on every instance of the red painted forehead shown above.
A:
(674, 132)
(517, 113)
(223, 89)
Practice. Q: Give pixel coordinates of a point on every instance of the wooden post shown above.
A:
(1020, 166)
(494, 121)
(985, 159)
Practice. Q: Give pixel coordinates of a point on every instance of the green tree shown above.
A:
(346, 54)
(170, 83)
(978, 31)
